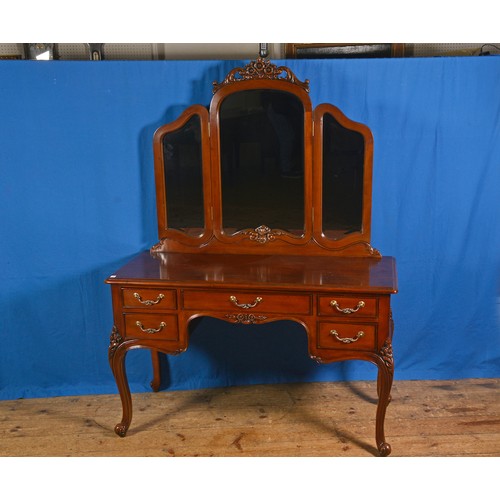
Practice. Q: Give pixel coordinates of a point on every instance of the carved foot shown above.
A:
(155, 385)
(384, 449)
(121, 429)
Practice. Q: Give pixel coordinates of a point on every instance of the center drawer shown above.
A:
(235, 300)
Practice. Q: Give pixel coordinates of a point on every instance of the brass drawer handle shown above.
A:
(151, 330)
(347, 310)
(149, 302)
(234, 300)
(347, 340)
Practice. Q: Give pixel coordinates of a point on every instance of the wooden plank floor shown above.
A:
(425, 418)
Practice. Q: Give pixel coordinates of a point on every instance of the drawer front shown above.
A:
(151, 326)
(247, 301)
(150, 298)
(347, 336)
(347, 306)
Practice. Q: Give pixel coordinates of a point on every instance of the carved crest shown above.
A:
(261, 69)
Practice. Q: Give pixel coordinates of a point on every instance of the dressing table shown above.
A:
(264, 214)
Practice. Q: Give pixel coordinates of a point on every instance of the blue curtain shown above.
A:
(77, 201)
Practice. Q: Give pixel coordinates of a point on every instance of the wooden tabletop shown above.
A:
(278, 271)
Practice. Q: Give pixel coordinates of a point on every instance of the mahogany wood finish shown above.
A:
(330, 280)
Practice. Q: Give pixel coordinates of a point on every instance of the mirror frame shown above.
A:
(263, 232)
(164, 231)
(357, 237)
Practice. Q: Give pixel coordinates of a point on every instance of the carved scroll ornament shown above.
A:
(263, 234)
(115, 340)
(387, 356)
(245, 318)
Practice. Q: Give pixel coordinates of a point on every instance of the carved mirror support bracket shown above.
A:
(372, 251)
(158, 247)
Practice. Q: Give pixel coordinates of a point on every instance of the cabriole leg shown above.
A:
(385, 363)
(379, 382)
(117, 351)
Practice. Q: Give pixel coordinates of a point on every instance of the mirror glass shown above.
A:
(182, 155)
(262, 161)
(343, 158)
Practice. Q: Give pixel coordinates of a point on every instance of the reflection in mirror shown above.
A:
(262, 161)
(183, 178)
(343, 158)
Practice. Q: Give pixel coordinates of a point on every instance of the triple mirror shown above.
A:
(260, 171)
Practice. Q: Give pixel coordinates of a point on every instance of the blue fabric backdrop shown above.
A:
(77, 200)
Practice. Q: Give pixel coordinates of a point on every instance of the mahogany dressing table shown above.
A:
(264, 213)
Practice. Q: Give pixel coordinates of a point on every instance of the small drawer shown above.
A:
(151, 326)
(347, 306)
(247, 301)
(347, 336)
(150, 298)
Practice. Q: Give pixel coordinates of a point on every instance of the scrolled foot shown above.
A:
(384, 449)
(121, 429)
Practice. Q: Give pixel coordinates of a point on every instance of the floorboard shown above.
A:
(459, 418)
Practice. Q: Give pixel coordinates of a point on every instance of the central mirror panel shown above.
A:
(262, 161)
